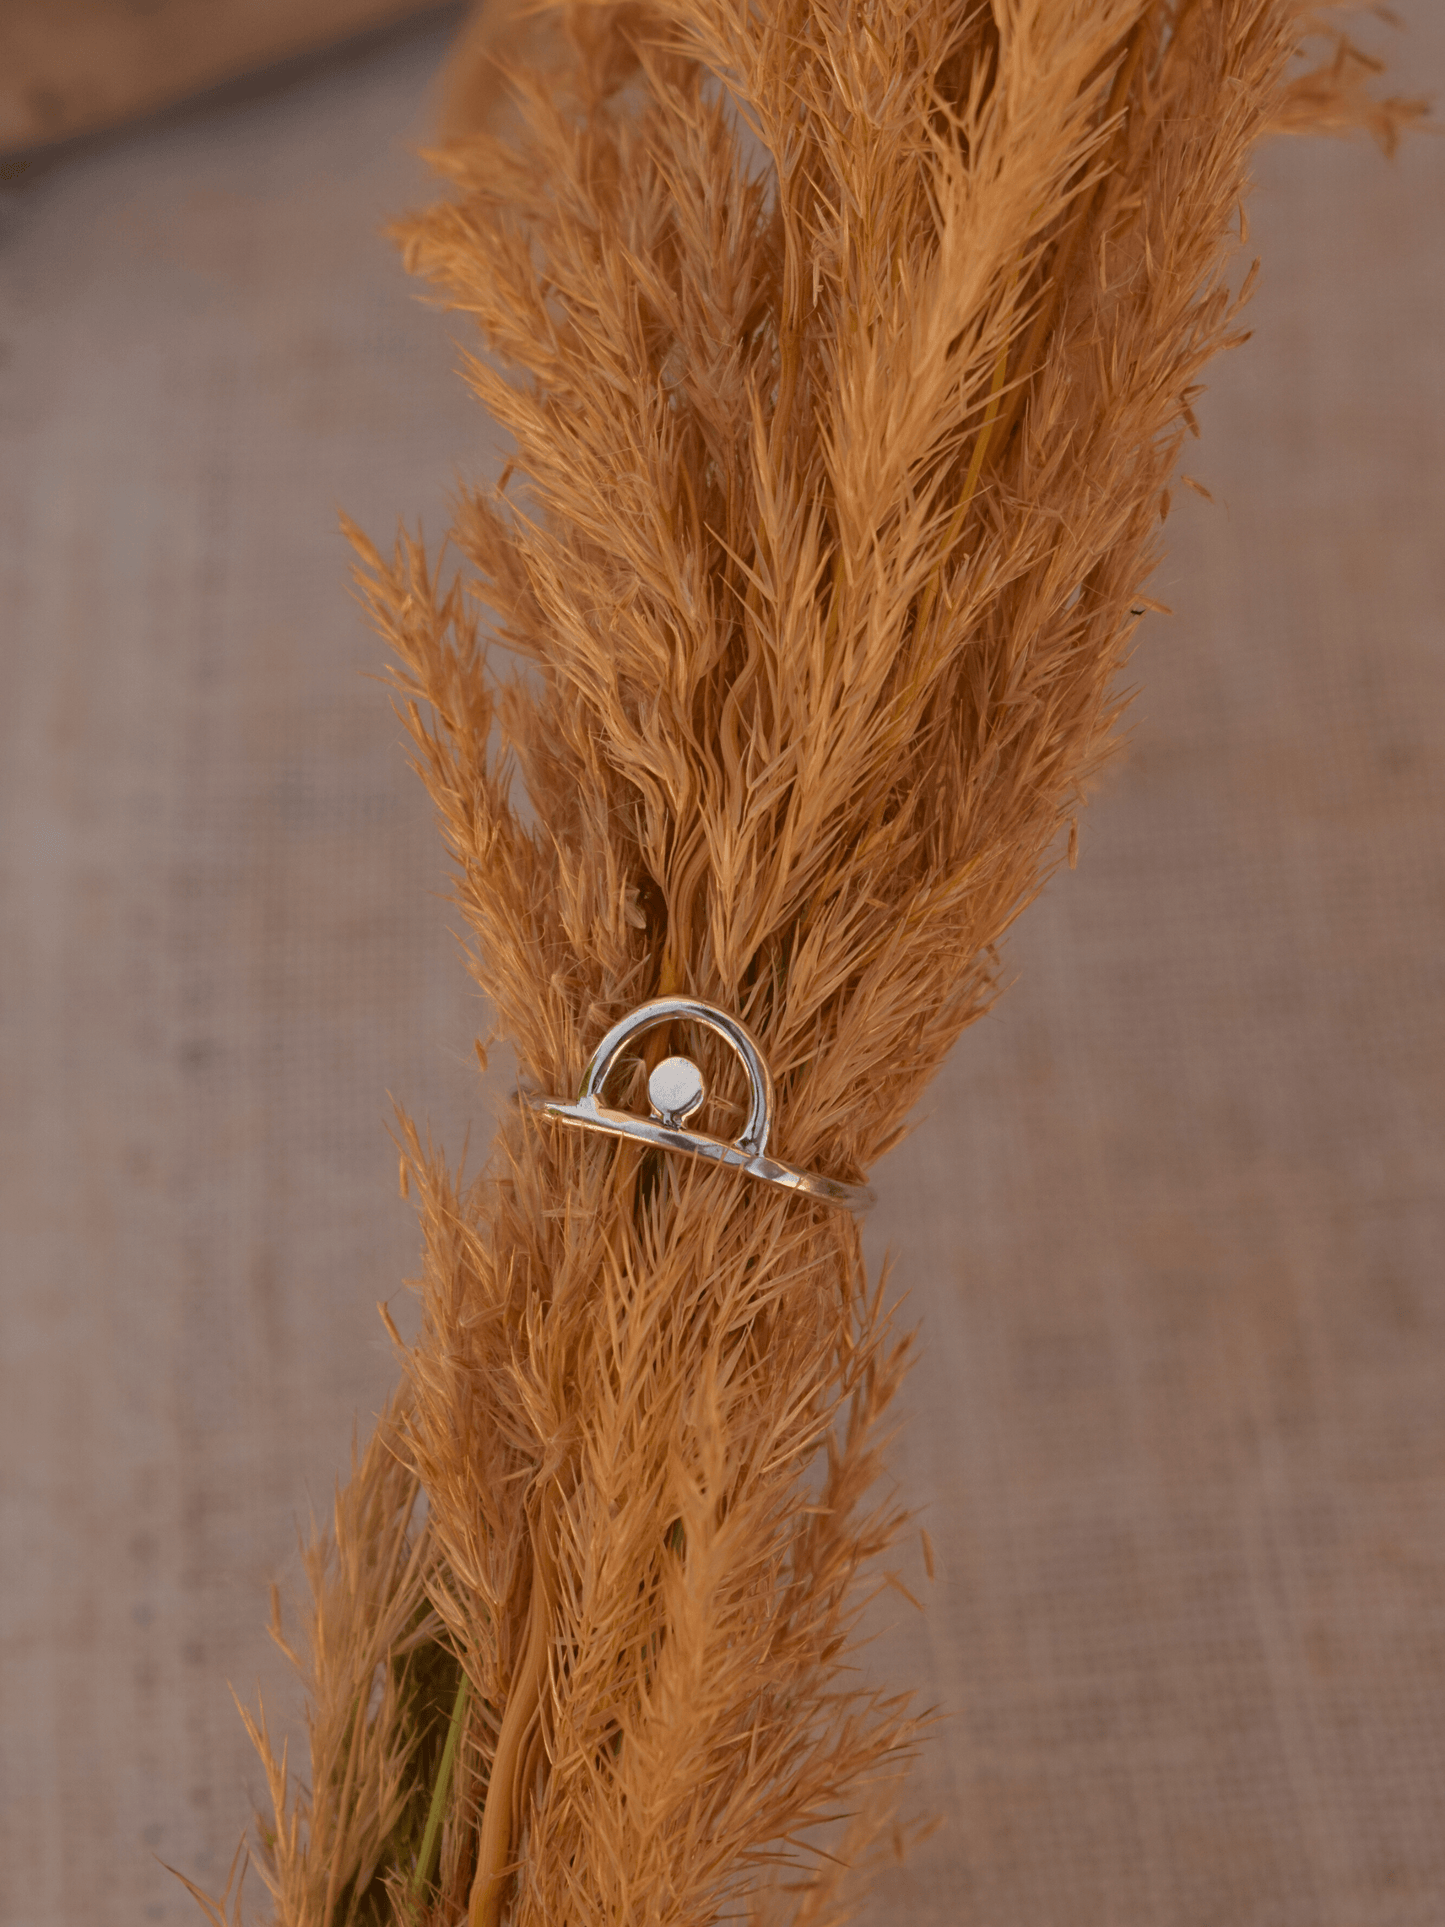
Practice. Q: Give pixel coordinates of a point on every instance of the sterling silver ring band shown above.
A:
(676, 1090)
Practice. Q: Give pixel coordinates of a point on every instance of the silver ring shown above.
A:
(676, 1090)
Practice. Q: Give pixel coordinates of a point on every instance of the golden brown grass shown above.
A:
(846, 351)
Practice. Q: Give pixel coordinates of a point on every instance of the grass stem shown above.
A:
(431, 1834)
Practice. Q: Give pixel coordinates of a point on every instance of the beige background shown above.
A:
(69, 67)
(1173, 1221)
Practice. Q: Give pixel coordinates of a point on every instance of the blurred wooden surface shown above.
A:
(70, 67)
(1173, 1218)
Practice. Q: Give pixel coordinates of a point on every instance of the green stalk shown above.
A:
(431, 1834)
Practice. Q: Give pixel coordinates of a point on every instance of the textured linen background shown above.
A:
(1172, 1219)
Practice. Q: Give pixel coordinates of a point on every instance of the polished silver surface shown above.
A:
(676, 1090)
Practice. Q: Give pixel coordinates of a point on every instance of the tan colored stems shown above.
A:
(489, 1884)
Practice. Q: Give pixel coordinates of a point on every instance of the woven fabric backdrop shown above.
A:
(1171, 1220)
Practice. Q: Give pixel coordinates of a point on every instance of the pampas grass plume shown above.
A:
(846, 352)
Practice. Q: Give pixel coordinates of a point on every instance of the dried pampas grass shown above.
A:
(847, 352)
